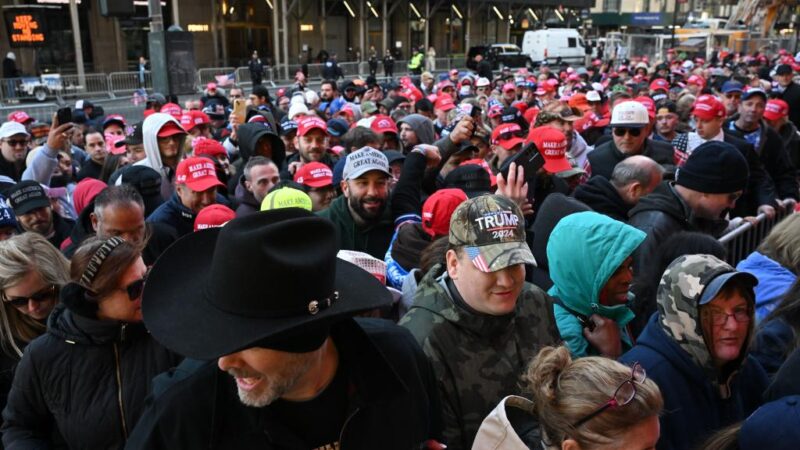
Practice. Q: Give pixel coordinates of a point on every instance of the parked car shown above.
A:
(40, 88)
(499, 55)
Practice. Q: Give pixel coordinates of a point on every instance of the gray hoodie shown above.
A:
(150, 128)
(422, 126)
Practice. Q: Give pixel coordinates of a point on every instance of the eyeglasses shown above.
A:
(620, 131)
(135, 289)
(45, 295)
(17, 142)
(741, 315)
(624, 394)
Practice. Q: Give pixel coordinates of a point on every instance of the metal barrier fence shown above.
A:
(121, 84)
(744, 239)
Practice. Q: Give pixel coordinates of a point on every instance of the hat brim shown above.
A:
(719, 282)
(629, 125)
(358, 173)
(204, 184)
(170, 132)
(496, 257)
(179, 315)
(511, 143)
(31, 205)
(557, 166)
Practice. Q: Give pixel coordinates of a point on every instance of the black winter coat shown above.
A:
(662, 214)
(82, 384)
(600, 195)
(606, 155)
(393, 402)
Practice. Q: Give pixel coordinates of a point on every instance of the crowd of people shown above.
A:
(506, 260)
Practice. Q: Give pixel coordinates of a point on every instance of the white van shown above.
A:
(552, 43)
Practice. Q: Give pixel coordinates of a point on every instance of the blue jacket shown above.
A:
(584, 251)
(773, 281)
(693, 407)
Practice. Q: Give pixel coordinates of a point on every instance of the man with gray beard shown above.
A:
(264, 308)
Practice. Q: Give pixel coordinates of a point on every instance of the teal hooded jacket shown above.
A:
(584, 251)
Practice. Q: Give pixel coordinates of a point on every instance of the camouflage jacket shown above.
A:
(477, 359)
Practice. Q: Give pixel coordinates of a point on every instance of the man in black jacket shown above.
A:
(709, 115)
(706, 187)
(32, 207)
(631, 126)
(483, 67)
(291, 372)
(784, 75)
(750, 126)
(631, 180)
(776, 116)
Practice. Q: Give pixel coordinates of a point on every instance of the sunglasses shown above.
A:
(635, 132)
(18, 142)
(511, 134)
(45, 295)
(624, 394)
(135, 289)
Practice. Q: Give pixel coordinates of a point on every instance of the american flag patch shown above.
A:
(477, 259)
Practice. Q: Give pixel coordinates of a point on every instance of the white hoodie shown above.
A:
(152, 124)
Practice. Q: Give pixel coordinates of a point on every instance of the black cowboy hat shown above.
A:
(268, 277)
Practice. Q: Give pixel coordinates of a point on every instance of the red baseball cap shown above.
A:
(708, 107)
(659, 84)
(197, 173)
(20, 117)
(384, 124)
(173, 110)
(314, 174)
(776, 109)
(648, 103)
(438, 208)
(309, 123)
(193, 118)
(552, 145)
(211, 86)
(495, 111)
(213, 216)
(170, 128)
(210, 147)
(695, 79)
(509, 87)
(508, 136)
(444, 103)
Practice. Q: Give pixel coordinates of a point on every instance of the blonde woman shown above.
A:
(590, 402)
(32, 273)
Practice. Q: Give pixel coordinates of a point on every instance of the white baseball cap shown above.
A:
(12, 128)
(482, 81)
(364, 160)
(630, 114)
(593, 96)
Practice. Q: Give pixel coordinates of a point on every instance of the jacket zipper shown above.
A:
(119, 385)
(344, 427)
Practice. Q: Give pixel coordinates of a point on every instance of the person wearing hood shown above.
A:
(84, 382)
(196, 186)
(591, 263)
(162, 137)
(254, 139)
(476, 319)
(707, 186)
(260, 175)
(632, 179)
(695, 349)
(415, 129)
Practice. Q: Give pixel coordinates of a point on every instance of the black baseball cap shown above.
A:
(27, 196)
(132, 138)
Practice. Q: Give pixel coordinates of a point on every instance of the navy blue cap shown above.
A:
(717, 283)
(754, 91)
(732, 86)
(337, 127)
(394, 156)
(775, 425)
(288, 126)
(7, 217)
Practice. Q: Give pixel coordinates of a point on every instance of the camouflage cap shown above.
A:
(491, 229)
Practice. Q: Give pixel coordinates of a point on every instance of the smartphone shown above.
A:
(528, 158)
(239, 109)
(476, 112)
(64, 115)
(586, 322)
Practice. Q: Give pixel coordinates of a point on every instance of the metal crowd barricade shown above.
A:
(744, 239)
(91, 84)
(126, 83)
(209, 75)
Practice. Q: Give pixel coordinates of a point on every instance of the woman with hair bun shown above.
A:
(587, 403)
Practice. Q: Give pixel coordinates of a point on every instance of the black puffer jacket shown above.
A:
(662, 214)
(82, 384)
(606, 156)
(603, 197)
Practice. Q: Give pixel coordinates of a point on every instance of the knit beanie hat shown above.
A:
(714, 167)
